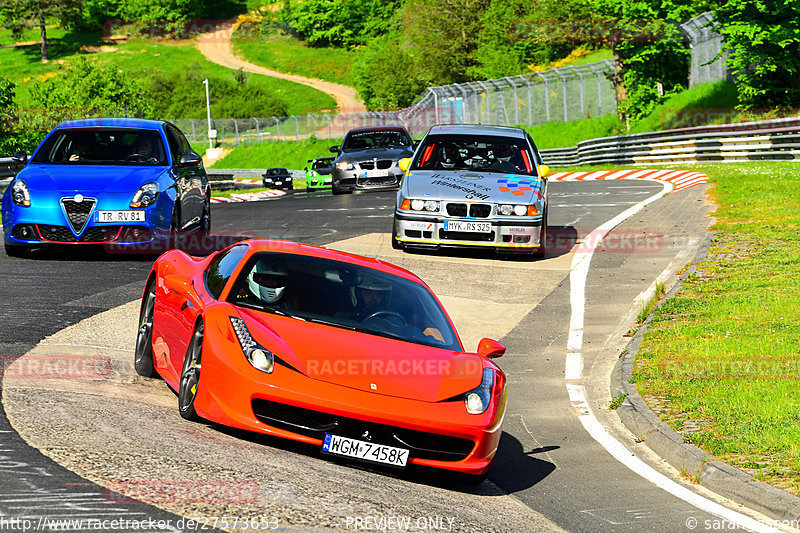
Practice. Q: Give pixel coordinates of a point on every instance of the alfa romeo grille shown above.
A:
(78, 212)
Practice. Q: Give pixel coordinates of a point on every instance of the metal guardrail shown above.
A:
(766, 140)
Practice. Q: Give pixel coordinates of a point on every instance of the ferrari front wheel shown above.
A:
(143, 355)
(190, 375)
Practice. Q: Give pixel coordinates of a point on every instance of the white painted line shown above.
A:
(578, 274)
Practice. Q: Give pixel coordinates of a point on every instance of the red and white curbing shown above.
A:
(680, 179)
(246, 197)
(246, 180)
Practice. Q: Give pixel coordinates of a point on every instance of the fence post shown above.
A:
(516, 102)
(236, 131)
(278, 128)
(599, 90)
(563, 92)
(580, 80)
(194, 134)
(258, 130)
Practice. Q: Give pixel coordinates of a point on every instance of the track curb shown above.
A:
(704, 468)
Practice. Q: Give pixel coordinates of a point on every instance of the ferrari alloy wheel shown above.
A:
(190, 376)
(143, 356)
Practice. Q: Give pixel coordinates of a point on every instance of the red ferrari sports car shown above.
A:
(350, 354)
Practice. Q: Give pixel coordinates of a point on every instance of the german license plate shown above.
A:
(120, 217)
(368, 451)
(468, 226)
(380, 173)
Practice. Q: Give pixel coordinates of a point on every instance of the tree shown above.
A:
(20, 14)
(763, 37)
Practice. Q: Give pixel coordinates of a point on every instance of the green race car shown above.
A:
(319, 175)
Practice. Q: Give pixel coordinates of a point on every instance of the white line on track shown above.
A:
(573, 367)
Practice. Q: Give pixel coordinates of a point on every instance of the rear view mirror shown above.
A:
(189, 159)
(404, 163)
(490, 349)
(544, 170)
(20, 157)
(334, 149)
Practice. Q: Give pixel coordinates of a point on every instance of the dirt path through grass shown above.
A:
(216, 47)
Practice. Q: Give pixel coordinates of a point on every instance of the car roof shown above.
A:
(370, 129)
(477, 129)
(137, 123)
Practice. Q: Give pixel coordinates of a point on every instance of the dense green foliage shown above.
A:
(14, 135)
(339, 22)
(17, 15)
(763, 37)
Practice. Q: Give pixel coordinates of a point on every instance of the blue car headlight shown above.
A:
(477, 400)
(20, 194)
(261, 358)
(146, 195)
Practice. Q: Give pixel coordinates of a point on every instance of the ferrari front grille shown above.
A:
(78, 212)
(316, 424)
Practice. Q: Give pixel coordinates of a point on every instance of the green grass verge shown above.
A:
(721, 358)
(22, 66)
(287, 54)
(291, 155)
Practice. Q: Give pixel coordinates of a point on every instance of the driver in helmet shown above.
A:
(144, 148)
(370, 295)
(266, 283)
(448, 155)
(504, 157)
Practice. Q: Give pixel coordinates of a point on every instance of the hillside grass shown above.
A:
(22, 66)
(719, 361)
(287, 54)
(292, 155)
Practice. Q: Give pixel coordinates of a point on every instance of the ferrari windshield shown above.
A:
(343, 295)
(103, 146)
(364, 140)
(473, 152)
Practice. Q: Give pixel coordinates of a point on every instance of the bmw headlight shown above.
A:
(520, 210)
(477, 400)
(419, 205)
(146, 195)
(19, 193)
(344, 165)
(261, 358)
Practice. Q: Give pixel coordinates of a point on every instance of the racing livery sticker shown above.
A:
(518, 187)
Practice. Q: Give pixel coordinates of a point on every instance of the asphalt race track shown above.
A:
(551, 473)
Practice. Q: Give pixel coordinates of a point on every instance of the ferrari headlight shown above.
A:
(344, 165)
(261, 358)
(146, 195)
(19, 193)
(477, 400)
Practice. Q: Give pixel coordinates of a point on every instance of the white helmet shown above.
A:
(448, 153)
(371, 293)
(267, 281)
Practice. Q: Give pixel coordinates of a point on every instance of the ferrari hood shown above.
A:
(370, 363)
(474, 186)
(87, 179)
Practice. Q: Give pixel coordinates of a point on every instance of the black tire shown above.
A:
(190, 375)
(397, 245)
(542, 251)
(143, 354)
(205, 219)
(17, 251)
(336, 191)
(174, 229)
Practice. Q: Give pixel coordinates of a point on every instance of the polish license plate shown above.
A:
(368, 451)
(467, 226)
(380, 173)
(120, 217)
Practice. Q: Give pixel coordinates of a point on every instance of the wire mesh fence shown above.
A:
(708, 65)
(560, 94)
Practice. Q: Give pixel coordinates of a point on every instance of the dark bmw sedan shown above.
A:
(367, 158)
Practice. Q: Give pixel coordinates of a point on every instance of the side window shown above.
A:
(174, 145)
(185, 146)
(221, 268)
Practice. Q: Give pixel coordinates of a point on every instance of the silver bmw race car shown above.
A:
(473, 185)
